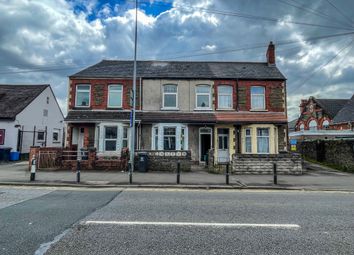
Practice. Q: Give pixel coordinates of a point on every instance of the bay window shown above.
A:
(83, 95)
(110, 138)
(224, 97)
(202, 93)
(169, 138)
(115, 96)
(170, 96)
(125, 137)
(248, 140)
(257, 98)
(263, 140)
(172, 136)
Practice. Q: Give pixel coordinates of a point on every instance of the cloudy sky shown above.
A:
(44, 41)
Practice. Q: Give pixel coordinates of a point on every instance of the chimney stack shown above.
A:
(271, 54)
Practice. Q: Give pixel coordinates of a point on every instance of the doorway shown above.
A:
(223, 145)
(205, 143)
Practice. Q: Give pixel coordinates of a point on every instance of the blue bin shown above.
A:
(14, 156)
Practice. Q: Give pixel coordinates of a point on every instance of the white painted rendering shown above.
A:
(31, 116)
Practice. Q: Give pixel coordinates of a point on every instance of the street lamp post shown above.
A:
(132, 119)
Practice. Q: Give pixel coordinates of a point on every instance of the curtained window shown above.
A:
(257, 98)
(83, 95)
(224, 97)
(203, 96)
(263, 140)
(115, 96)
(248, 137)
(169, 96)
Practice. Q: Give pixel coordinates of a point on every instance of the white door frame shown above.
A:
(228, 146)
(200, 144)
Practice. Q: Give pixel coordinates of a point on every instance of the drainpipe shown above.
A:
(237, 96)
(140, 94)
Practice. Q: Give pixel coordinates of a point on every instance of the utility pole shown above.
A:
(132, 119)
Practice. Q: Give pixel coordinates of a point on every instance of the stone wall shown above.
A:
(339, 153)
(287, 163)
(166, 160)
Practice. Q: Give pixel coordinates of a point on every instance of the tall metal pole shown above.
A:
(132, 133)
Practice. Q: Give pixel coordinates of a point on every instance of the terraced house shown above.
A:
(231, 108)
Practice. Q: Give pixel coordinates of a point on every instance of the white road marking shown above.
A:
(198, 224)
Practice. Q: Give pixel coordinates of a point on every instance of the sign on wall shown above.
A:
(293, 143)
(2, 136)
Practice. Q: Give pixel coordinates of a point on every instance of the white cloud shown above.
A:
(49, 34)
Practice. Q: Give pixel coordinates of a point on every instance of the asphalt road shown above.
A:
(25, 225)
(50, 221)
(216, 222)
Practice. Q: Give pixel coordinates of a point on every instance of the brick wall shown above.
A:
(274, 94)
(287, 163)
(99, 92)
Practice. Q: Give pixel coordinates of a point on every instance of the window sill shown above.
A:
(202, 109)
(169, 109)
(258, 110)
(225, 109)
(114, 108)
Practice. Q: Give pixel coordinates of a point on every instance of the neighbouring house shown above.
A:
(324, 119)
(185, 109)
(29, 116)
(344, 119)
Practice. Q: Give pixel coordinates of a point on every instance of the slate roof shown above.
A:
(331, 106)
(15, 98)
(185, 117)
(182, 70)
(346, 114)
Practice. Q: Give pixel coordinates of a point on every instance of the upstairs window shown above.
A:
(56, 137)
(202, 93)
(224, 97)
(169, 96)
(325, 124)
(115, 96)
(40, 136)
(257, 98)
(313, 125)
(83, 95)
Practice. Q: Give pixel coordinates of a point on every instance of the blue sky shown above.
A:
(153, 8)
(45, 41)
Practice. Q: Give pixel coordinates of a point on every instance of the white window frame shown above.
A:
(169, 93)
(110, 139)
(160, 136)
(225, 94)
(155, 138)
(118, 92)
(83, 90)
(264, 98)
(313, 128)
(56, 132)
(202, 94)
(250, 137)
(40, 140)
(268, 136)
(325, 126)
(125, 138)
(302, 127)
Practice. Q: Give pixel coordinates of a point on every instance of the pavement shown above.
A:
(316, 177)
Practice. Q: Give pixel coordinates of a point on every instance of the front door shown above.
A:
(204, 143)
(223, 145)
(80, 141)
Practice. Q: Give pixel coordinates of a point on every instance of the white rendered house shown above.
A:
(29, 116)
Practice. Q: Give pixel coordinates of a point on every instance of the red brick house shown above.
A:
(183, 108)
(319, 114)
